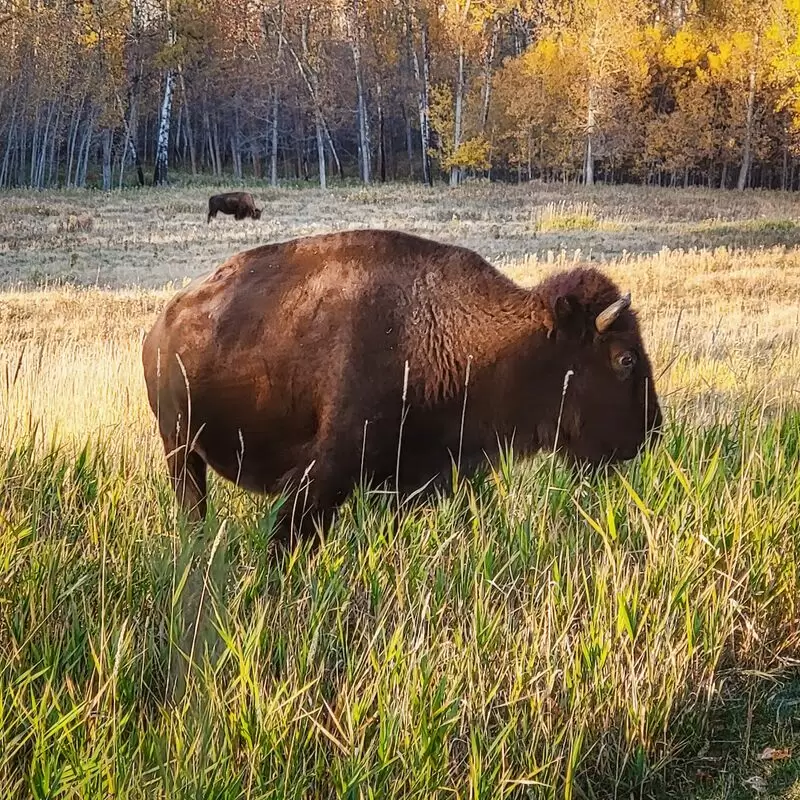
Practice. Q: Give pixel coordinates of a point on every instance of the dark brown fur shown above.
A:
(240, 204)
(285, 368)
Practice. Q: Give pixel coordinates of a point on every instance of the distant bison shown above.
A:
(240, 204)
(292, 365)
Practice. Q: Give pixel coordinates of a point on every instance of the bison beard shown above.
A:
(283, 370)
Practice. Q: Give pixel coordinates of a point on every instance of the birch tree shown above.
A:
(98, 92)
(417, 21)
(165, 114)
(355, 18)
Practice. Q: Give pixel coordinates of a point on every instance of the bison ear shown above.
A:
(568, 316)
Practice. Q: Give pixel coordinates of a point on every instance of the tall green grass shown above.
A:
(538, 634)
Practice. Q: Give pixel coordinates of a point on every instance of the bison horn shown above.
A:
(605, 319)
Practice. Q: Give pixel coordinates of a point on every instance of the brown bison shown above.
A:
(298, 365)
(240, 204)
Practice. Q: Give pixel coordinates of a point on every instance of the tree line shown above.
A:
(110, 93)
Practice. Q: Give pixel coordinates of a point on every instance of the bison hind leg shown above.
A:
(311, 498)
(309, 508)
(187, 472)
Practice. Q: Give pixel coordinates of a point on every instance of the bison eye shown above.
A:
(625, 362)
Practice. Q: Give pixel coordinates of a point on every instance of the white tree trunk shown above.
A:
(323, 180)
(273, 156)
(455, 172)
(75, 124)
(747, 149)
(55, 148)
(381, 134)
(273, 162)
(82, 166)
(363, 121)
(310, 78)
(107, 142)
(422, 77)
(162, 143)
(487, 79)
(588, 166)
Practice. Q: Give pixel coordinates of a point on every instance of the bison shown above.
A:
(313, 363)
(240, 204)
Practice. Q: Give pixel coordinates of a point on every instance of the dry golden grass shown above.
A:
(721, 327)
(148, 238)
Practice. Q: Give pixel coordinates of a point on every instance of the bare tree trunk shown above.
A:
(332, 147)
(236, 156)
(747, 150)
(275, 95)
(381, 134)
(209, 140)
(162, 143)
(309, 77)
(592, 100)
(55, 147)
(189, 130)
(76, 178)
(236, 145)
(129, 146)
(323, 183)
(422, 78)
(215, 141)
(588, 165)
(177, 158)
(363, 121)
(107, 142)
(5, 172)
(785, 166)
(83, 163)
(487, 78)
(409, 143)
(34, 146)
(48, 156)
(299, 147)
(273, 156)
(136, 160)
(22, 154)
(75, 122)
(363, 128)
(42, 156)
(455, 172)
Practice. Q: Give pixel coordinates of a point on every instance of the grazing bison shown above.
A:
(240, 204)
(292, 365)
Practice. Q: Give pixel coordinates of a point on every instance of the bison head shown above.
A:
(257, 213)
(609, 406)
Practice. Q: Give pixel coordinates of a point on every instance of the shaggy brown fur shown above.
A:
(240, 204)
(284, 368)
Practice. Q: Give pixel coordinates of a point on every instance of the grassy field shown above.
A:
(540, 634)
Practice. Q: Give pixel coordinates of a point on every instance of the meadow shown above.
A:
(540, 633)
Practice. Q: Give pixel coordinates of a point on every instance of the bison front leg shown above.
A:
(187, 472)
